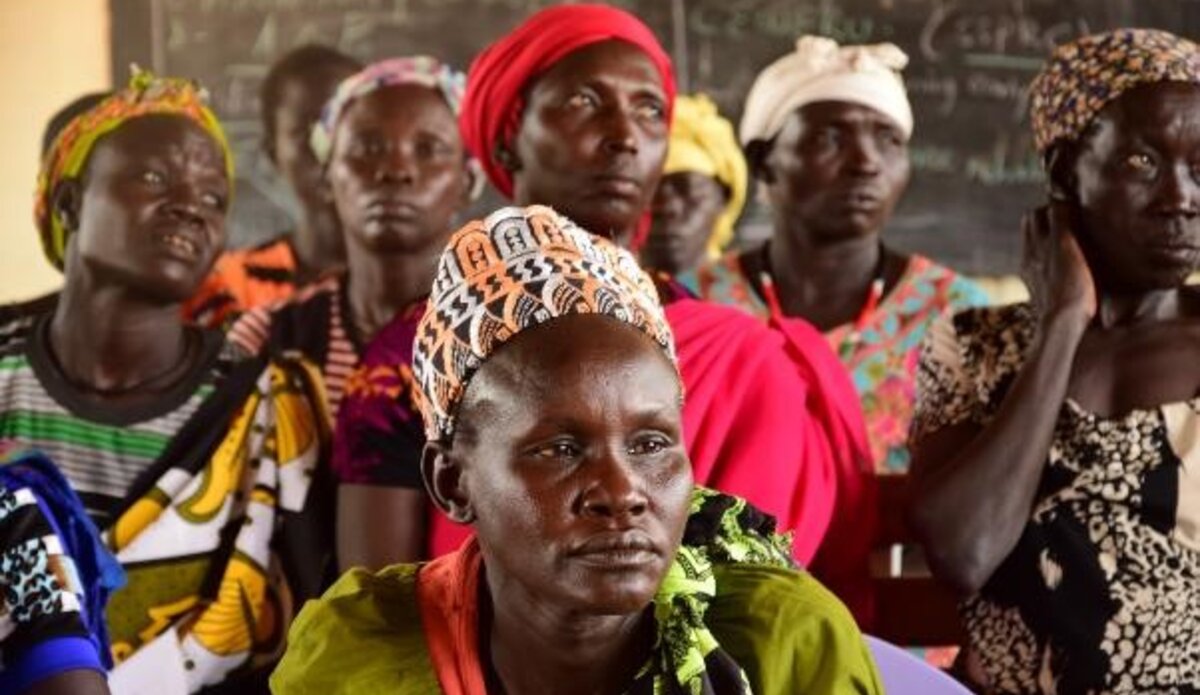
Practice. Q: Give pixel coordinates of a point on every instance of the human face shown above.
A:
(300, 101)
(593, 138)
(151, 207)
(836, 170)
(1138, 184)
(686, 207)
(398, 170)
(571, 447)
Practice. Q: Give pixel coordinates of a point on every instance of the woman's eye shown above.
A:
(648, 446)
(653, 111)
(214, 201)
(1140, 162)
(558, 450)
(581, 100)
(153, 178)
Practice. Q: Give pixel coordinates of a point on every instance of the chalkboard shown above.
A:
(970, 61)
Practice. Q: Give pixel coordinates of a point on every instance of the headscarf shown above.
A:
(702, 141)
(516, 269)
(820, 70)
(494, 103)
(145, 95)
(418, 70)
(1083, 76)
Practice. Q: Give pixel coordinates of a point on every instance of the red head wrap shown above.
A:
(493, 104)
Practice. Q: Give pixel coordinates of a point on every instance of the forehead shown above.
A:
(841, 113)
(158, 135)
(399, 106)
(1149, 112)
(614, 61)
(310, 89)
(544, 368)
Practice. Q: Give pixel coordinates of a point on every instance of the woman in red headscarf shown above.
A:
(572, 110)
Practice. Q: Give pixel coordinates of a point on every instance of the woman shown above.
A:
(194, 459)
(293, 92)
(551, 400)
(56, 577)
(826, 130)
(398, 175)
(1055, 442)
(702, 190)
(571, 110)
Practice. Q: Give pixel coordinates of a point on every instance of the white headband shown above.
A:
(820, 70)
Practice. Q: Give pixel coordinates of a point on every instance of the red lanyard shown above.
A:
(860, 322)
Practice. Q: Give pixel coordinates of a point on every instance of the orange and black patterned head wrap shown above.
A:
(516, 269)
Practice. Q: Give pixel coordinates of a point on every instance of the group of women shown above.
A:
(581, 428)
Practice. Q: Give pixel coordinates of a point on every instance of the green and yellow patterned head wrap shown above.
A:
(145, 95)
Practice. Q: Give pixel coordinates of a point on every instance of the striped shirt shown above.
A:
(101, 449)
(313, 323)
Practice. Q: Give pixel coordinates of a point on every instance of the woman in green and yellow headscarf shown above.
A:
(702, 191)
(200, 464)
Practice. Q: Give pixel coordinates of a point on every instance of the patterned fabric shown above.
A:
(101, 454)
(821, 70)
(500, 74)
(145, 95)
(1083, 76)
(312, 323)
(1102, 591)
(51, 606)
(244, 279)
(702, 141)
(516, 269)
(419, 70)
(736, 619)
(881, 356)
(210, 511)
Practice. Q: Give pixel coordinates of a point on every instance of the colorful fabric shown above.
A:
(1085, 75)
(737, 620)
(55, 576)
(881, 355)
(1101, 592)
(419, 70)
(145, 95)
(494, 102)
(821, 70)
(519, 268)
(313, 323)
(244, 279)
(213, 520)
(702, 141)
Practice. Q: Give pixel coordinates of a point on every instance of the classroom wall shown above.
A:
(51, 51)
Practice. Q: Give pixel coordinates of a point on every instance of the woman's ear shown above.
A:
(1060, 173)
(66, 201)
(758, 156)
(444, 479)
(505, 156)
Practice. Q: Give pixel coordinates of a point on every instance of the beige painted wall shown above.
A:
(51, 51)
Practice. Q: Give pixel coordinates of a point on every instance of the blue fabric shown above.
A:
(48, 659)
(99, 572)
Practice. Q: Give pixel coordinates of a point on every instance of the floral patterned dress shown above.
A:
(1102, 592)
(881, 356)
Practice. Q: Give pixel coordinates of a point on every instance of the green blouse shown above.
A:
(788, 633)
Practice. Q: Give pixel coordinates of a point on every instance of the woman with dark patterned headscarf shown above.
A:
(552, 401)
(1056, 443)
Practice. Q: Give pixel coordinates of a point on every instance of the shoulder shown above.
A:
(952, 289)
(724, 280)
(363, 635)
(789, 633)
(15, 334)
(299, 322)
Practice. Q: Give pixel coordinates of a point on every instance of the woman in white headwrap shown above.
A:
(826, 131)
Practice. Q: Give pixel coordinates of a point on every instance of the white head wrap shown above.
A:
(820, 70)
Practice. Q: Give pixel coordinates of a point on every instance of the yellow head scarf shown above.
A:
(145, 95)
(704, 142)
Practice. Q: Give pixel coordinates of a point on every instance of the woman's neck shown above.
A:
(827, 283)
(317, 244)
(379, 286)
(107, 340)
(1117, 309)
(576, 653)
